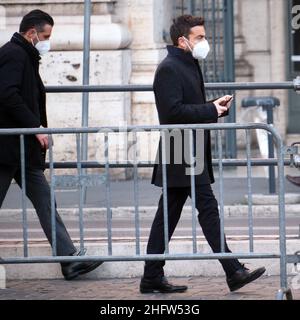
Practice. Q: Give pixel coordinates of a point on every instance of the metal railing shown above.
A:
(227, 86)
(81, 181)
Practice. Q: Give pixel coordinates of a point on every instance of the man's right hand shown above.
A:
(221, 104)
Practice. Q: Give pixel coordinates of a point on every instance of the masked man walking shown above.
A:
(180, 99)
(23, 105)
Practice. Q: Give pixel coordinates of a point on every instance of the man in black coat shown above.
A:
(23, 105)
(180, 99)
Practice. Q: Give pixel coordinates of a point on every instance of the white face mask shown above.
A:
(201, 49)
(43, 46)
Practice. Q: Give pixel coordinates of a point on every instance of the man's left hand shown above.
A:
(43, 140)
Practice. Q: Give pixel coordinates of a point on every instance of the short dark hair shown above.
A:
(35, 19)
(182, 26)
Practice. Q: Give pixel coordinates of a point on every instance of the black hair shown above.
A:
(182, 27)
(35, 19)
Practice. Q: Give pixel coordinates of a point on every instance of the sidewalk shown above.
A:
(199, 288)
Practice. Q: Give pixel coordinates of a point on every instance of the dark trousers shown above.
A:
(208, 217)
(38, 191)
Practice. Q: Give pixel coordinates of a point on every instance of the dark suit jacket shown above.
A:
(180, 99)
(22, 101)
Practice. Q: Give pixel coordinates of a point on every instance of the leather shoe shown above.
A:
(72, 270)
(242, 277)
(159, 285)
(294, 180)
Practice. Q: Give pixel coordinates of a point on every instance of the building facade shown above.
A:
(128, 40)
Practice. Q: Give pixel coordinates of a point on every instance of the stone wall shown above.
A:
(110, 64)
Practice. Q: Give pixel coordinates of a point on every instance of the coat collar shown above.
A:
(181, 54)
(187, 58)
(33, 53)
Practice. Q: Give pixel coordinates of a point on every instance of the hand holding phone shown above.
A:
(225, 100)
(223, 104)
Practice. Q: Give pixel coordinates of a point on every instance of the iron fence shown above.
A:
(82, 179)
(227, 86)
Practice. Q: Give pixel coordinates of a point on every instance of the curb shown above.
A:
(130, 269)
(241, 211)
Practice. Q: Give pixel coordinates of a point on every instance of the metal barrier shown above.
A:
(210, 87)
(267, 105)
(225, 86)
(83, 179)
(231, 86)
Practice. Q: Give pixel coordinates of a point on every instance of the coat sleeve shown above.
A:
(11, 77)
(169, 99)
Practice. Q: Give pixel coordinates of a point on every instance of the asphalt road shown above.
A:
(122, 195)
(125, 228)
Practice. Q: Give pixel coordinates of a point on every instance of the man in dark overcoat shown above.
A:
(23, 105)
(180, 99)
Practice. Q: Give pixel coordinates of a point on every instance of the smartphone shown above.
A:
(230, 99)
(225, 103)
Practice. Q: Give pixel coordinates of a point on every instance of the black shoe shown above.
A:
(159, 285)
(294, 180)
(242, 276)
(71, 270)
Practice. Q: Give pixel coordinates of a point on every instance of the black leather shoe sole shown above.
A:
(294, 180)
(173, 289)
(254, 275)
(79, 272)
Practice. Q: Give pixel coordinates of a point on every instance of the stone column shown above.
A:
(146, 19)
(278, 71)
(260, 24)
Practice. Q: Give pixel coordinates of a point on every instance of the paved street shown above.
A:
(235, 190)
(200, 288)
(125, 228)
